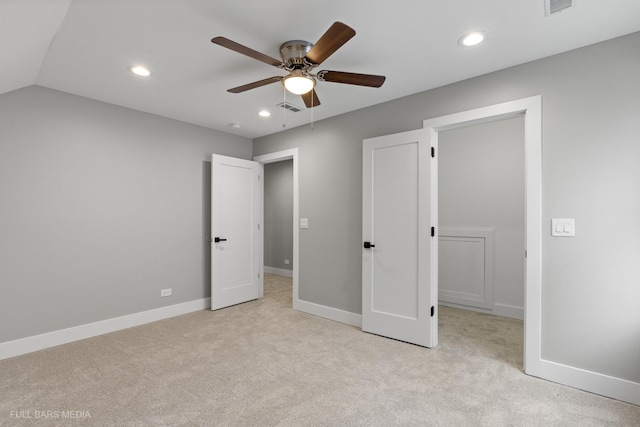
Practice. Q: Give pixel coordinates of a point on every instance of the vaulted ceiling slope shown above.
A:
(85, 47)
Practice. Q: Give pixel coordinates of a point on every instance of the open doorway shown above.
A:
(481, 216)
(278, 218)
(276, 255)
(531, 108)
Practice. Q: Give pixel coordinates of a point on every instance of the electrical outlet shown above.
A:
(165, 292)
(286, 262)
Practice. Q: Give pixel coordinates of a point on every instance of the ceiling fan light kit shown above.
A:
(299, 58)
(299, 84)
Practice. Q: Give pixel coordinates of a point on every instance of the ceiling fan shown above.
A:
(299, 58)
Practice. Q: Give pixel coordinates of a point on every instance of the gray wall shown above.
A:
(278, 214)
(591, 153)
(101, 207)
(481, 184)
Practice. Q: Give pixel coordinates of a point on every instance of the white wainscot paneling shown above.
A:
(465, 266)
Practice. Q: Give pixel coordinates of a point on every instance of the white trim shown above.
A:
(511, 311)
(278, 271)
(593, 382)
(532, 109)
(278, 156)
(64, 336)
(502, 310)
(328, 313)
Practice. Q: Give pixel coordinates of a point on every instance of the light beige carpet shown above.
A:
(262, 364)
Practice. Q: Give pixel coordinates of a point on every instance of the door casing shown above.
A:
(278, 156)
(531, 108)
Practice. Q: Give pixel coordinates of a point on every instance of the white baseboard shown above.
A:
(52, 339)
(328, 313)
(498, 309)
(615, 388)
(508, 311)
(278, 271)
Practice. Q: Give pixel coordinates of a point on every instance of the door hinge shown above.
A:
(433, 232)
(433, 151)
(433, 311)
(258, 226)
(258, 275)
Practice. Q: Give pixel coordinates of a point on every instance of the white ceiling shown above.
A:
(84, 47)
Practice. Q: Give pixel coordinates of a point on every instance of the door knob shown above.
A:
(217, 240)
(368, 245)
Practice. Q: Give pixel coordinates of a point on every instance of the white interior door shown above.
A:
(399, 258)
(236, 216)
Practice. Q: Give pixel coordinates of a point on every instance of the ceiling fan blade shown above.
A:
(255, 84)
(337, 35)
(237, 47)
(351, 78)
(310, 99)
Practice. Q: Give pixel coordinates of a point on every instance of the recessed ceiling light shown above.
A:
(236, 125)
(264, 113)
(139, 70)
(471, 39)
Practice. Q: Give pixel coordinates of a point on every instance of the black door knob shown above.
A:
(368, 245)
(217, 240)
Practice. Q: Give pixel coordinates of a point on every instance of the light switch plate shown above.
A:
(563, 227)
(304, 222)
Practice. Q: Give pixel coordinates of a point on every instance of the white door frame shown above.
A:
(278, 156)
(532, 109)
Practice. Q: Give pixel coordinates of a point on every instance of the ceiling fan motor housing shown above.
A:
(293, 55)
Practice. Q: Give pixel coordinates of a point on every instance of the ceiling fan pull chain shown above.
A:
(312, 108)
(284, 110)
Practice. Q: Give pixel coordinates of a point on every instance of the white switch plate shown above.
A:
(286, 262)
(165, 292)
(563, 227)
(304, 222)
